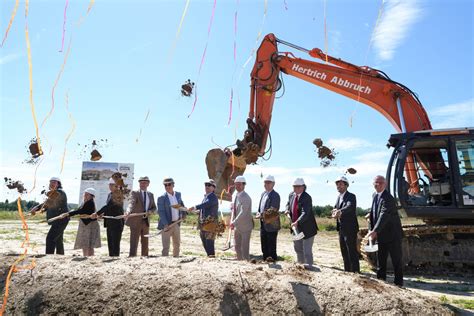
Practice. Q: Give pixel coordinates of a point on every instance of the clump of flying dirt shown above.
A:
(187, 88)
(34, 152)
(92, 148)
(326, 154)
(350, 171)
(121, 192)
(15, 184)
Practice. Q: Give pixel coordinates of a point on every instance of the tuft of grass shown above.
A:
(285, 258)
(464, 303)
(443, 299)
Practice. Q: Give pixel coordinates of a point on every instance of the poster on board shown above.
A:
(97, 174)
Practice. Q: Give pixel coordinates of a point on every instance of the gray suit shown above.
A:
(243, 223)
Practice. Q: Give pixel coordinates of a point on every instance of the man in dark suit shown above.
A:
(168, 216)
(345, 213)
(208, 207)
(386, 228)
(141, 201)
(300, 209)
(269, 231)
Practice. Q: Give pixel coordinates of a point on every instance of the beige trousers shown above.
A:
(174, 234)
(242, 244)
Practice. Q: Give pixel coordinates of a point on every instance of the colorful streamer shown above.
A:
(14, 268)
(203, 55)
(61, 70)
(11, 21)
(178, 32)
(64, 26)
(146, 118)
(91, 4)
(325, 33)
(73, 127)
(30, 77)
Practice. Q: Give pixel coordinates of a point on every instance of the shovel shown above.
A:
(297, 235)
(371, 247)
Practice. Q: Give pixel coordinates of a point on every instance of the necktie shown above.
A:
(376, 207)
(295, 209)
(234, 207)
(144, 200)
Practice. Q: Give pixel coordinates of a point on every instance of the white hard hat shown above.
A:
(343, 179)
(211, 182)
(240, 179)
(269, 178)
(298, 181)
(55, 179)
(111, 181)
(91, 191)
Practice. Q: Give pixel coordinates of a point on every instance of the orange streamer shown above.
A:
(30, 76)
(11, 22)
(61, 70)
(14, 268)
(73, 124)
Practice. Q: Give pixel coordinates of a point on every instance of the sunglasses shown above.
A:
(168, 184)
(208, 185)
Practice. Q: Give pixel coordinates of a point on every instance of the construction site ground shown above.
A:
(195, 284)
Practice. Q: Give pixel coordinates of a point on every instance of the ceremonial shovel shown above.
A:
(296, 234)
(159, 233)
(371, 247)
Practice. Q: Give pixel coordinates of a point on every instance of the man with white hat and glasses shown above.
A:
(242, 219)
(300, 209)
(345, 213)
(269, 230)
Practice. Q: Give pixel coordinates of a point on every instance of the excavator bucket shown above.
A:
(223, 167)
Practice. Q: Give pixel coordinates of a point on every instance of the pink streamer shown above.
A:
(230, 105)
(203, 55)
(64, 26)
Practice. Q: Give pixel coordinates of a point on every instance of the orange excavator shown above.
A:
(430, 173)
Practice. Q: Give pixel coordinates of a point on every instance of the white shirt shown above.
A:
(341, 198)
(264, 201)
(174, 211)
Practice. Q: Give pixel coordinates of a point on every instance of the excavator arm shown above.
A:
(372, 87)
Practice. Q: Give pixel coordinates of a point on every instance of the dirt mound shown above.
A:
(189, 285)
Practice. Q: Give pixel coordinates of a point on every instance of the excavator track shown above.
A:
(438, 247)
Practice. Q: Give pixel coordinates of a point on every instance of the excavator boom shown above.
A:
(363, 84)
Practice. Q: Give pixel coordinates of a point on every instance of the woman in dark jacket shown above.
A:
(88, 232)
(55, 205)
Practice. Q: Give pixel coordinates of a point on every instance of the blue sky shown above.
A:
(126, 59)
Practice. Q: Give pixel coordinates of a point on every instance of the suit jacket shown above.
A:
(164, 209)
(243, 220)
(55, 205)
(388, 225)
(112, 208)
(137, 206)
(306, 220)
(347, 224)
(273, 200)
(208, 207)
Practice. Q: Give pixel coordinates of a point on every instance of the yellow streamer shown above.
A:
(11, 21)
(73, 127)
(173, 46)
(61, 70)
(141, 128)
(30, 76)
(91, 4)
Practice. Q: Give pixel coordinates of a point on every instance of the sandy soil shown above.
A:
(194, 284)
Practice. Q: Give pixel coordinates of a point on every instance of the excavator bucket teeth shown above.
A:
(223, 168)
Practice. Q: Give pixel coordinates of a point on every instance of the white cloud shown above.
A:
(9, 58)
(454, 115)
(340, 144)
(396, 20)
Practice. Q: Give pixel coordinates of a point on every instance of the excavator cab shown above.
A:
(431, 174)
